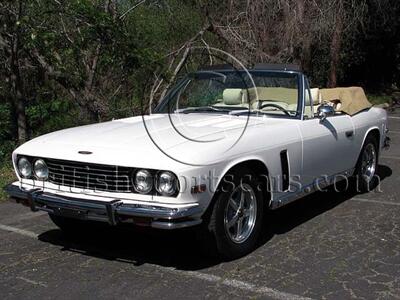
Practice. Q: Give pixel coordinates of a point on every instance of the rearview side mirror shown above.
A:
(325, 111)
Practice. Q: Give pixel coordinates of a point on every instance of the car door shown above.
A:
(328, 146)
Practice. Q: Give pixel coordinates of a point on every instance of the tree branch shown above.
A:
(131, 9)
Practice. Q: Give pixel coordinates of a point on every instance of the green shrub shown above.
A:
(6, 176)
(379, 99)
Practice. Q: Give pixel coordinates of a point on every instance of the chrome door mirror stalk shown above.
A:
(325, 111)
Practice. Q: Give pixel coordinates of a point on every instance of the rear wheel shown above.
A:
(236, 217)
(367, 165)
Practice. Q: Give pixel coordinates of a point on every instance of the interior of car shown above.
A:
(348, 100)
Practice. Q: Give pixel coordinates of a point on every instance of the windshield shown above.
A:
(270, 93)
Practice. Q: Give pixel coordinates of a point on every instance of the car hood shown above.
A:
(149, 141)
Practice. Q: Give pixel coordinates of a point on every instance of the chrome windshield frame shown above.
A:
(300, 82)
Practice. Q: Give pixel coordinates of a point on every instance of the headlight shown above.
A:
(166, 183)
(41, 170)
(24, 167)
(143, 182)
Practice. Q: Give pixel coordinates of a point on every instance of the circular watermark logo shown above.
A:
(204, 116)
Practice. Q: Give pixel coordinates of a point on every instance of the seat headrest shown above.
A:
(274, 94)
(315, 95)
(232, 96)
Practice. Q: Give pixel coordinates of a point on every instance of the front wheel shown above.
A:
(236, 216)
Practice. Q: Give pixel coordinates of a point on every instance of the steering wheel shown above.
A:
(276, 106)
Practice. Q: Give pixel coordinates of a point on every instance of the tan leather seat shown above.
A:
(316, 98)
(283, 97)
(233, 98)
(278, 94)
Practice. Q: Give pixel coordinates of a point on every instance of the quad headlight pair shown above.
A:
(39, 168)
(144, 181)
(164, 182)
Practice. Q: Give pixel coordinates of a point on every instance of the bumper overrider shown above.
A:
(112, 212)
(386, 143)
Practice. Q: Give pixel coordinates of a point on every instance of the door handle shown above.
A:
(349, 133)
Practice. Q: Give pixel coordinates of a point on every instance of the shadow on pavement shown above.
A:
(180, 249)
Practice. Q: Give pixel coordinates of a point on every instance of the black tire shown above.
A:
(366, 183)
(214, 237)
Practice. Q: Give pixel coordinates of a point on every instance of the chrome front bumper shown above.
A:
(113, 212)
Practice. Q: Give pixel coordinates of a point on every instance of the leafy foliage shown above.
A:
(6, 176)
(70, 62)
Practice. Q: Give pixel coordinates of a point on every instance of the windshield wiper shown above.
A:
(202, 109)
(258, 112)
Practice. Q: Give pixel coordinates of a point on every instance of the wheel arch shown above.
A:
(375, 132)
(255, 164)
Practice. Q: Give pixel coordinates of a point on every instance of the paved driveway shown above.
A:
(328, 245)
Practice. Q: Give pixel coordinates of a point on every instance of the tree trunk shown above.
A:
(13, 118)
(287, 38)
(17, 84)
(21, 120)
(336, 44)
(18, 102)
(305, 55)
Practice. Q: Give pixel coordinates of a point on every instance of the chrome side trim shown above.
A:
(289, 197)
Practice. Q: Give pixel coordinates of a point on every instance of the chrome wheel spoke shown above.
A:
(233, 204)
(240, 213)
(239, 225)
(232, 222)
(368, 164)
(242, 195)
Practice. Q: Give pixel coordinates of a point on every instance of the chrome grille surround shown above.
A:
(90, 176)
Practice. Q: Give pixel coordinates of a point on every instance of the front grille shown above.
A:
(90, 176)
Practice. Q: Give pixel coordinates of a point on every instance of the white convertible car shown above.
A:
(222, 148)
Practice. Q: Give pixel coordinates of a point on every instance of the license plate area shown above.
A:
(71, 212)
